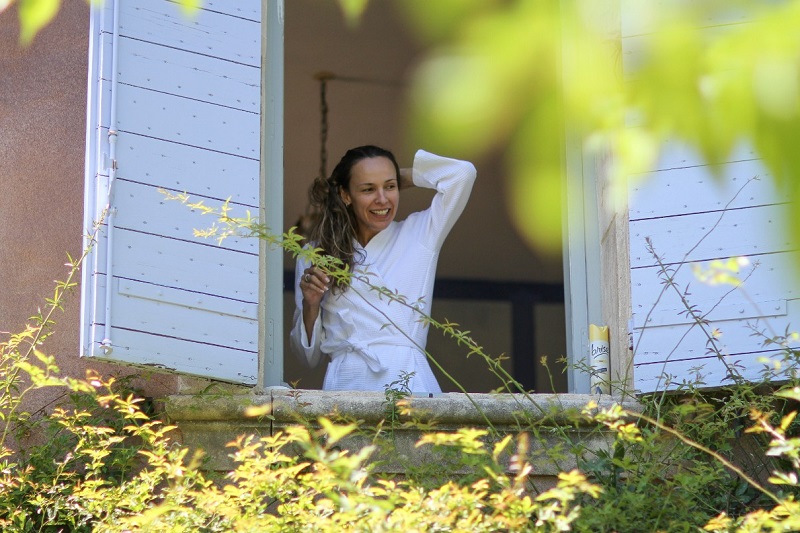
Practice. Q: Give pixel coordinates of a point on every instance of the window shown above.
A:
(488, 279)
(184, 110)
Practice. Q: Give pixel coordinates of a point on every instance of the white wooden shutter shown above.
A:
(187, 99)
(678, 205)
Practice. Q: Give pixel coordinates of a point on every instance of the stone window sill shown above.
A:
(211, 421)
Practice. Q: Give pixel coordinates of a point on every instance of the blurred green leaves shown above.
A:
(35, 15)
(352, 10)
(524, 77)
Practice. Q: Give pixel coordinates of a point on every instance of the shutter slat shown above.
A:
(143, 208)
(183, 168)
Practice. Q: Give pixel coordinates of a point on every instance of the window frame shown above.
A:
(581, 260)
(582, 240)
(270, 315)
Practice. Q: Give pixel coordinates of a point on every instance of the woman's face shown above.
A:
(373, 195)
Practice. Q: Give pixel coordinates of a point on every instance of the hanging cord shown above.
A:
(308, 219)
(323, 78)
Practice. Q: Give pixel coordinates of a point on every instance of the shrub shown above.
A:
(102, 464)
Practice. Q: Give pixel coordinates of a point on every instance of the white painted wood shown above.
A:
(149, 320)
(95, 178)
(735, 185)
(663, 335)
(165, 267)
(739, 310)
(689, 341)
(677, 154)
(190, 300)
(747, 231)
(188, 120)
(184, 121)
(211, 33)
(676, 205)
(180, 322)
(144, 307)
(270, 284)
(201, 173)
(167, 353)
(707, 371)
(143, 208)
(189, 75)
(247, 9)
(175, 263)
(767, 278)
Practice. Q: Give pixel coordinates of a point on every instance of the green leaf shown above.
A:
(353, 10)
(793, 393)
(190, 7)
(33, 16)
(335, 432)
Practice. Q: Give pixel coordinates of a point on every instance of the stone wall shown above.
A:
(210, 421)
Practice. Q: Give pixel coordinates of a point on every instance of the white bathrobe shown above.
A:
(371, 340)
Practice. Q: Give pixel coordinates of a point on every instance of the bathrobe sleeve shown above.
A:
(452, 179)
(307, 350)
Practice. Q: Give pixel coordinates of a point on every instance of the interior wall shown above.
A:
(379, 55)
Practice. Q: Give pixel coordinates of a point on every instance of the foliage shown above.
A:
(682, 450)
(725, 460)
(99, 463)
(106, 466)
(558, 66)
(711, 74)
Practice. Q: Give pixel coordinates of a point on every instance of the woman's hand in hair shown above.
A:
(406, 178)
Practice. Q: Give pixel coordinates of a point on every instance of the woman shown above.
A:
(372, 341)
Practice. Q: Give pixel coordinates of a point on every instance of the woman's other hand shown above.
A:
(314, 283)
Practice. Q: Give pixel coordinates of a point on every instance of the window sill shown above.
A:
(211, 421)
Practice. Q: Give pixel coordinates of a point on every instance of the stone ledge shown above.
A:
(210, 422)
(449, 408)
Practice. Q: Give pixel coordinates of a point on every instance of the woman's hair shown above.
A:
(335, 229)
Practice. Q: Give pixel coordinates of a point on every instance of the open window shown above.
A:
(200, 105)
(510, 297)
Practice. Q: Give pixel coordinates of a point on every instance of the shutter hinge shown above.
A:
(108, 163)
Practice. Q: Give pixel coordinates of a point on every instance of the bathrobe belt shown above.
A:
(362, 349)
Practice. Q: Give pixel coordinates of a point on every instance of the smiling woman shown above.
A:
(375, 196)
(370, 342)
